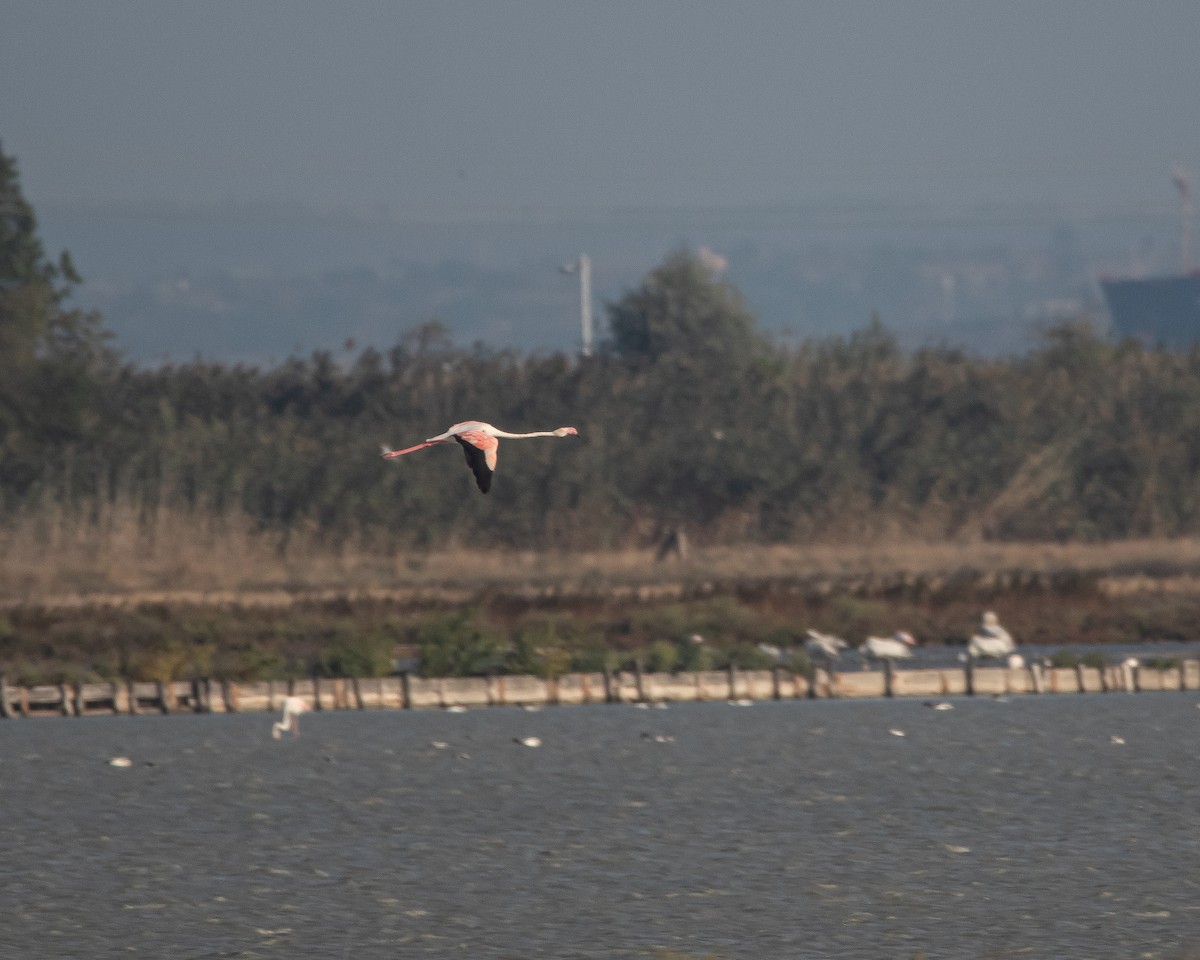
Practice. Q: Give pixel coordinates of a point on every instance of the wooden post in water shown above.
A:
(165, 696)
(776, 684)
(405, 696)
(637, 678)
(732, 671)
(969, 674)
(888, 680)
(316, 689)
(609, 695)
(358, 697)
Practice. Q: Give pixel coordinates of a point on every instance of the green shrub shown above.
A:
(351, 652)
(747, 657)
(593, 659)
(662, 656)
(695, 657)
(455, 646)
(800, 662)
(537, 651)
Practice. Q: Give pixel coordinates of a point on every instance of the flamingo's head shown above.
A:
(905, 637)
(566, 432)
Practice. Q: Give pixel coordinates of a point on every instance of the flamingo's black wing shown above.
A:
(477, 461)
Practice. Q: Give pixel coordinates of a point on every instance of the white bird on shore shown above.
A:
(824, 647)
(896, 647)
(992, 640)
(292, 708)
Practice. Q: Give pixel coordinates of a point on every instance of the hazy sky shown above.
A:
(434, 108)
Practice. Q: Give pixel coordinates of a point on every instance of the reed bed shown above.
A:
(119, 558)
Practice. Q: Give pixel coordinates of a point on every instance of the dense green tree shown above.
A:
(35, 323)
(50, 355)
(683, 311)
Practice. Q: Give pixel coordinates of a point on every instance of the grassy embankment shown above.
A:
(103, 601)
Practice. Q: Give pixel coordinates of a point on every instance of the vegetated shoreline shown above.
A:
(468, 613)
(259, 575)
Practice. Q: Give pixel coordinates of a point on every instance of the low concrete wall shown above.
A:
(868, 683)
(409, 692)
(581, 688)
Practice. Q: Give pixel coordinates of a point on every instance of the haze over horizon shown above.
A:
(431, 109)
(1016, 113)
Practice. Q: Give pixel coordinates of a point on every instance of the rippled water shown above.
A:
(797, 829)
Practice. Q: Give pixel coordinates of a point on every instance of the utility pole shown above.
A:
(583, 266)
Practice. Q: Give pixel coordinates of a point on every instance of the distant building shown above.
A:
(1159, 311)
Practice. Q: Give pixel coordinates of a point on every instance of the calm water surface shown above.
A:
(781, 830)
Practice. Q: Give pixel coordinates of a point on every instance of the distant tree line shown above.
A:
(688, 417)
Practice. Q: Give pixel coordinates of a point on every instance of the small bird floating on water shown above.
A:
(479, 441)
(528, 741)
(120, 762)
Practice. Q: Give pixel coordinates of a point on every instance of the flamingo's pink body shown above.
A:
(479, 441)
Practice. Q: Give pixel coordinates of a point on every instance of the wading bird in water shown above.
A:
(479, 442)
(292, 708)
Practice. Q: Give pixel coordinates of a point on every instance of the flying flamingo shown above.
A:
(479, 442)
(292, 708)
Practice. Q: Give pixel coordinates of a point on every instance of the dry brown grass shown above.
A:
(119, 558)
